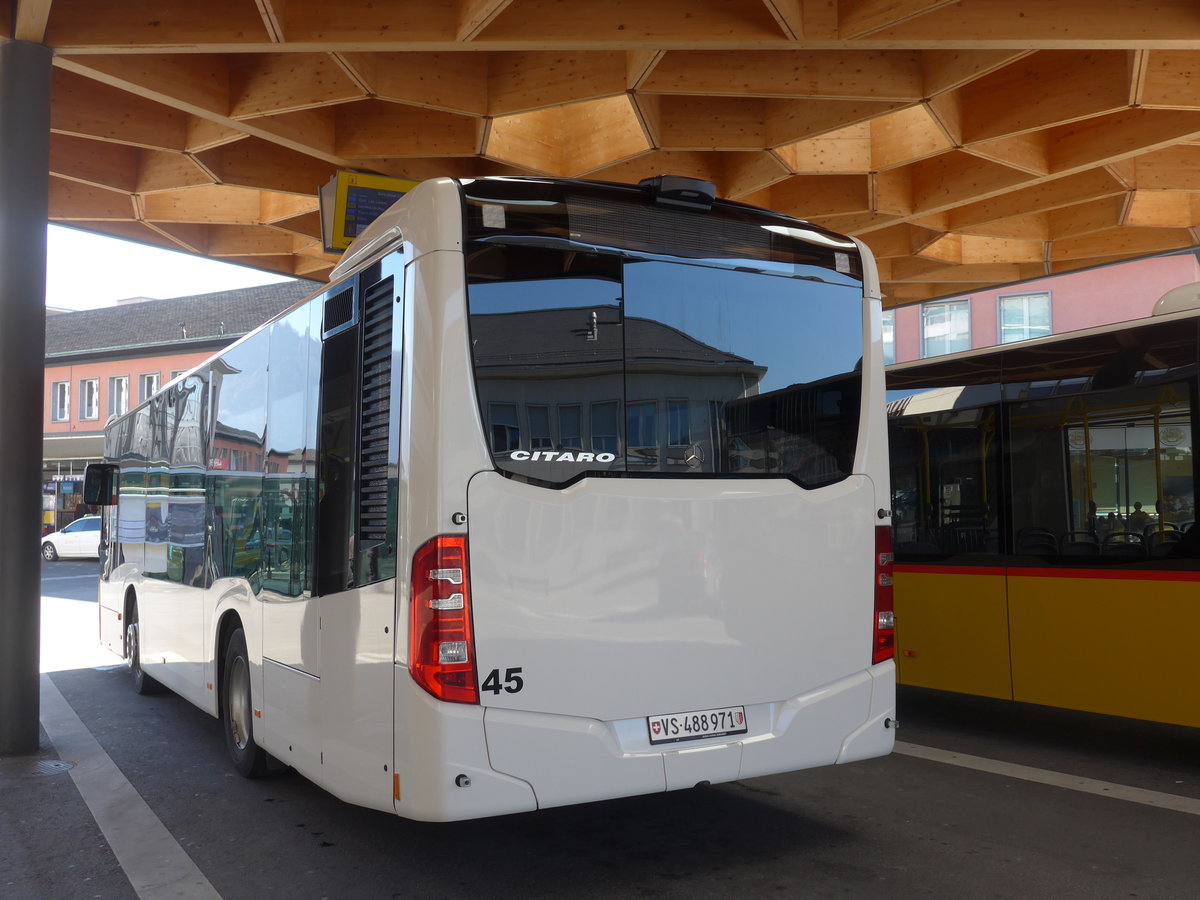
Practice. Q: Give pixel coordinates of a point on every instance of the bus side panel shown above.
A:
(1115, 645)
(357, 648)
(952, 630)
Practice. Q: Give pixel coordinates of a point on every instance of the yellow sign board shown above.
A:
(353, 200)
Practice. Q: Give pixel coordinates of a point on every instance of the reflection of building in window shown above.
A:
(539, 428)
(605, 437)
(945, 327)
(506, 431)
(570, 431)
(679, 428)
(889, 336)
(1024, 316)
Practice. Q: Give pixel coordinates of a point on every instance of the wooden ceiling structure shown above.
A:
(969, 142)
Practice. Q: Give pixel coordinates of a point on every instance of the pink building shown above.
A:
(102, 362)
(1084, 299)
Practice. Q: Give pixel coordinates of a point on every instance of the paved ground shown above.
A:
(983, 800)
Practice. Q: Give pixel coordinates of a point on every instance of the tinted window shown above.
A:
(657, 366)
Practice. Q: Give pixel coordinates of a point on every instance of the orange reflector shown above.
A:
(258, 714)
(396, 786)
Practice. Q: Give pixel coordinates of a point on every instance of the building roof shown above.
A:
(179, 321)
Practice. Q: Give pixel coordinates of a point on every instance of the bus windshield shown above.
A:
(599, 360)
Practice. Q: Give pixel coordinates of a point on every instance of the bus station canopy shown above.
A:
(969, 143)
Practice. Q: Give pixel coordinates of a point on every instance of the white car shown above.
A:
(80, 538)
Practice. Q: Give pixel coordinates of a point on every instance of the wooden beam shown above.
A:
(276, 208)
(451, 82)
(72, 201)
(195, 83)
(889, 75)
(639, 64)
(1110, 138)
(257, 164)
(85, 108)
(1057, 24)
(100, 164)
(161, 171)
(272, 14)
(1163, 209)
(900, 240)
(1171, 168)
(306, 225)
(805, 196)
(1029, 152)
(624, 22)
(789, 15)
(211, 204)
(1170, 79)
(1085, 218)
(475, 15)
(843, 152)
(29, 20)
(311, 131)
(376, 128)
(1044, 89)
(735, 174)
(1121, 241)
(154, 25)
(906, 136)
(948, 70)
(956, 178)
(569, 140)
(246, 240)
(1034, 227)
(1047, 195)
(269, 84)
(521, 82)
(857, 18)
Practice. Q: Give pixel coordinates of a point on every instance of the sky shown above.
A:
(84, 271)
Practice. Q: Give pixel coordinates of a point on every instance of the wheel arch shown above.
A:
(229, 622)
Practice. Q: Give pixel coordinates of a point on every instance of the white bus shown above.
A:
(559, 491)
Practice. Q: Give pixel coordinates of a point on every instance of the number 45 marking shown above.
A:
(513, 681)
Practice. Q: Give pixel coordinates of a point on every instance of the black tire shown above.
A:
(142, 683)
(237, 711)
(49, 554)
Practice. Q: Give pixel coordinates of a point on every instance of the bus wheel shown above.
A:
(248, 758)
(142, 683)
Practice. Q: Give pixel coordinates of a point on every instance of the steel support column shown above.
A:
(24, 210)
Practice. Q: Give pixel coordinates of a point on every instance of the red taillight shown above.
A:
(883, 646)
(441, 652)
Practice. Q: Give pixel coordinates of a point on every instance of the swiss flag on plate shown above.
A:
(656, 727)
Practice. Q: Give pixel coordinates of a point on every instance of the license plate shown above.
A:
(691, 726)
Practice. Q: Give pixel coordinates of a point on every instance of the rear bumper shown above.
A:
(572, 760)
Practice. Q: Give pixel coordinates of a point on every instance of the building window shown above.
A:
(118, 395)
(60, 401)
(1024, 316)
(641, 424)
(147, 386)
(945, 327)
(605, 437)
(570, 432)
(506, 432)
(539, 428)
(679, 426)
(177, 373)
(89, 398)
(889, 336)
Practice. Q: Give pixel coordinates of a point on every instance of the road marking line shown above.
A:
(156, 866)
(1157, 799)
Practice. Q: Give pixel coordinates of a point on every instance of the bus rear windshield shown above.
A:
(596, 361)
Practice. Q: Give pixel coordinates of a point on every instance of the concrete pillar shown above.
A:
(24, 199)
